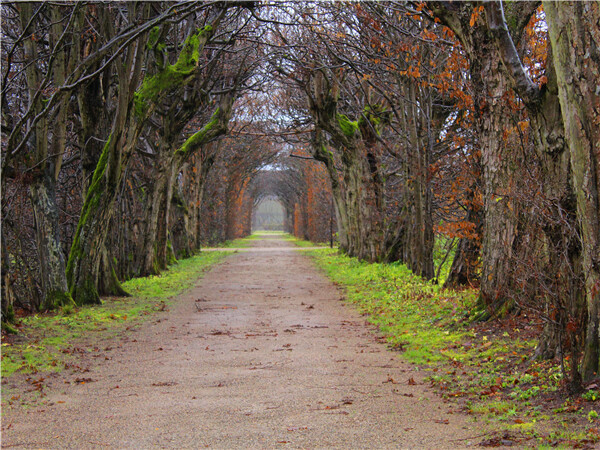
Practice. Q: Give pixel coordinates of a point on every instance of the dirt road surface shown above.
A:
(262, 353)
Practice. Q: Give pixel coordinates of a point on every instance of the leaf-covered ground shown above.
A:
(486, 368)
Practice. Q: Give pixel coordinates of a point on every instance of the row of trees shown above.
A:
(115, 87)
(475, 119)
(133, 132)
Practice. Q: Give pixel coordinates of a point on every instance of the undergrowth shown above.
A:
(485, 368)
(50, 342)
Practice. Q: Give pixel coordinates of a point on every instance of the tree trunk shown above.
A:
(358, 190)
(42, 191)
(499, 215)
(575, 39)
(207, 159)
(154, 213)
(85, 257)
(320, 153)
(47, 231)
(95, 127)
(418, 234)
(164, 251)
(7, 297)
(363, 207)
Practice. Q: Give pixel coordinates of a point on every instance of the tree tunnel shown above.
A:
(268, 215)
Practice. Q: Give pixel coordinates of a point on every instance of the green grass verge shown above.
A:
(485, 367)
(244, 242)
(417, 317)
(302, 243)
(49, 342)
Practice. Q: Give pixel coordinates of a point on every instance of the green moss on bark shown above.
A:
(91, 203)
(375, 116)
(86, 293)
(57, 299)
(199, 138)
(8, 315)
(153, 37)
(347, 126)
(171, 259)
(8, 328)
(172, 76)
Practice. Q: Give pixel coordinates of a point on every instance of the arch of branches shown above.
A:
(133, 133)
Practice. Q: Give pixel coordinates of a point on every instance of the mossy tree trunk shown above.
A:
(575, 40)
(87, 250)
(358, 188)
(135, 106)
(170, 161)
(322, 154)
(46, 166)
(186, 97)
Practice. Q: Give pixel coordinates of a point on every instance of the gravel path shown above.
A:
(261, 354)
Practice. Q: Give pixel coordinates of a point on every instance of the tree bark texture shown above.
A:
(499, 215)
(358, 189)
(548, 132)
(46, 166)
(574, 29)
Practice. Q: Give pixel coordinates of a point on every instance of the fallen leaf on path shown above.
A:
(442, 421)
(411, 381)
(164, 383)
(83, 380)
